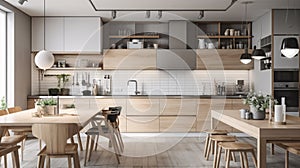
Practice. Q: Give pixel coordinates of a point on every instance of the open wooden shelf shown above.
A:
(224, 37)
(77, 68)
(138, 37)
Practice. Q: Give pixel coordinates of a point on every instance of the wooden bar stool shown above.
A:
(215, 139)
(291, 147)
(209, 133)
(231, 147)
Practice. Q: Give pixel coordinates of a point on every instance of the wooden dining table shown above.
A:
(263, 130)
(29, 117)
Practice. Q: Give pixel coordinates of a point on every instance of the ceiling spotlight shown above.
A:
(159, 14)
(201, 14)
(113, 14)
(147, 14)
(22, 1)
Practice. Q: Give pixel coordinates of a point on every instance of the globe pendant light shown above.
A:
(258, 54)
(246, 57)
(290, 47)
(44, 59)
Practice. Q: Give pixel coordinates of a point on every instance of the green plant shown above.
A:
(62, 79)
(47, 102)
(3, 104)
(259, 101)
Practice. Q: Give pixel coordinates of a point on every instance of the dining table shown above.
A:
(265, 131)
(80, 116)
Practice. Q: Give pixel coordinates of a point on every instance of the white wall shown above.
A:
(20, 50)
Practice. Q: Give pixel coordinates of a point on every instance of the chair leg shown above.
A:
(86, 149)
(272, 149)
(76, 160)
(254, 158)
(13, 158)
(48, 162)
(246, 159)
(22, 149)
(215, 155)
(96, 145)
(5, 161)
(209, 148)
(115, 146)
(16, 159)
(40, 144)
(69, 162)
(219, 157)
(228, 159)
(233, 157)
(242, 160)
(287, 159)
(120, 140)
(205, 146)
(79, 141)
(41, 161)
(91, 147)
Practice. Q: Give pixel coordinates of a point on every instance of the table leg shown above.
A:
(261, 153)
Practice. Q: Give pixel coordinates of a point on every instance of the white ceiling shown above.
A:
(84, 8)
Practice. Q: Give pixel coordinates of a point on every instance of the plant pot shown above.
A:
(53, 91)
(50, 110)
(256, 114)
(65, 91)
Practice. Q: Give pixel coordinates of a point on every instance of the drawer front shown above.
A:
(177, 124)
(143, 107)
(178, 106)
(143, 124)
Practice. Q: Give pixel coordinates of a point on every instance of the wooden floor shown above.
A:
(188, 152)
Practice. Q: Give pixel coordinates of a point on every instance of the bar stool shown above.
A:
(215, 139)
(209, 133)
(231, 147)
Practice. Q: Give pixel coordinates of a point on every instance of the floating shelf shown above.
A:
(76, 68)
(138, 37)
(223, 37)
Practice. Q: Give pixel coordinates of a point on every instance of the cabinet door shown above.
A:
(30, 103)
(143, 124)
(203, 115)
(129, 59)
(177, 34)
(178, 106)
(177, 123)
(143, 107)
(82, 34)
(37, 33)
(54, 36)
(227, 59)
(286, 21)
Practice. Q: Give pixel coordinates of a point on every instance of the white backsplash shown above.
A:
(150, 82)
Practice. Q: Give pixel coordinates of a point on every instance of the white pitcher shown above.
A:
(201, 43)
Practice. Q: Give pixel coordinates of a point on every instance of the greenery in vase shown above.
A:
(47, 102)
(62, 79)
(260, 101)
(3, 104)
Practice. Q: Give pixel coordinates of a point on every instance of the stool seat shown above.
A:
(216, 132)
(231, 147)
(223, 138)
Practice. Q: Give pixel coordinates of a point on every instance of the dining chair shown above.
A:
(55, 137)
(14, 150)
(108, 127)
(8, 141)
(19, 130)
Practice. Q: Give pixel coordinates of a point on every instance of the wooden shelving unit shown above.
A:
(135, 36)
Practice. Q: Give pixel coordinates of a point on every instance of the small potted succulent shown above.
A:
(46, 106)
(62, 80)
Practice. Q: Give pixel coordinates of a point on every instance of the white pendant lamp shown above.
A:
(290, 47)
(246, 57)
(44, 59)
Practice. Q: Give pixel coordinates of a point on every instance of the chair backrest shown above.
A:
(3, 112)
(55, 136)
(14, 109)
(116, 111)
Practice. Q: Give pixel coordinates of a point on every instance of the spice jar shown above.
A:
(248, 115)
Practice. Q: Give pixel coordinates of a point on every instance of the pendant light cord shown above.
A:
(44, 25)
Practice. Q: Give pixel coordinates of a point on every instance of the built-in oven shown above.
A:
(286, 82)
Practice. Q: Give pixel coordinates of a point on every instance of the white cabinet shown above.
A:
(82, 34)
(37, 33)
(54, 36)
(67, 34)
(286, 21)
(261, 27)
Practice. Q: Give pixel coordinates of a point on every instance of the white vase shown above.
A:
(201, 43)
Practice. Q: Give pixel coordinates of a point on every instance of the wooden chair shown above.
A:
(14, 150)
(231, 147)
(56, 146)
(291, 147)
(107, 127)
(20, 130)
(209, 133)
(8, 141)
(215, 139)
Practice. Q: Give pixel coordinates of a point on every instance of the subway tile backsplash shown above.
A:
(150, 82)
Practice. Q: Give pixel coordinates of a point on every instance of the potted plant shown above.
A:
(258, 104)
(46, 106)
(62, 80)
(3, 105)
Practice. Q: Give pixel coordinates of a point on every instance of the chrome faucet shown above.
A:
(136, 92)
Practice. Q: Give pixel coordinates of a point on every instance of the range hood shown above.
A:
(179, 59)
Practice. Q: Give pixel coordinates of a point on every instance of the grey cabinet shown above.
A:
(177, 34)
(286, 21)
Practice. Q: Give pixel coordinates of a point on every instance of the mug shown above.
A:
(243, 113)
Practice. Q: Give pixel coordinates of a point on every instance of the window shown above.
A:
(3, 52)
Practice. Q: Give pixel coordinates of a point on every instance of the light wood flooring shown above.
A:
(188, 152)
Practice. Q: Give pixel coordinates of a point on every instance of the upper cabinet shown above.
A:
(286, 21)
(67, 34)
(261, 28)
(177, 34)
